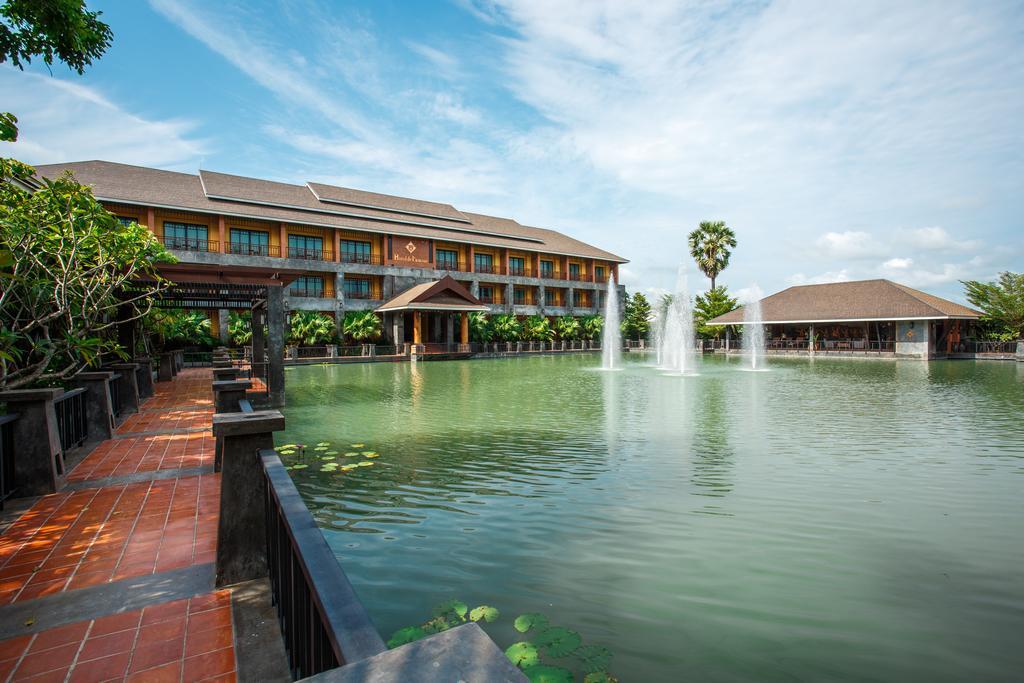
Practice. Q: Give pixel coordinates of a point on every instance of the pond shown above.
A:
(842, 520)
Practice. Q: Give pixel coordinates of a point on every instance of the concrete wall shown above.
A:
(913, 338)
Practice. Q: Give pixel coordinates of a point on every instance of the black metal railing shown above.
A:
(450, 265)
(190, 244)
(368, 293)
(72, 425)
(115, 395)
(314, 292)
(197, 359)
(8, 482)
(357, 257)
(246, 249)
(310, 254)
(486, 268)
(311, 351)
(323, 623)
(990, 346)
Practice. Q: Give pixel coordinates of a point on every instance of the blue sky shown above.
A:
(840, 140)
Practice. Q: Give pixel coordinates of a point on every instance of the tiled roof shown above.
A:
(859, 300)
(314, 204)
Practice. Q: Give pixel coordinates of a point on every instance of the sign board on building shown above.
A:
(410, 251)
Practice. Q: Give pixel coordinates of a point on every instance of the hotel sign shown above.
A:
(408, 251)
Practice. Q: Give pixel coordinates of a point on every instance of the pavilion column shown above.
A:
(810, 338)
(449, 337)
(259, 343)
(417, 327)
(276, 333)
(464, 328)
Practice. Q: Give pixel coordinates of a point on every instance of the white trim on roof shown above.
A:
(852, 320)
(432, 307)
(422, 214)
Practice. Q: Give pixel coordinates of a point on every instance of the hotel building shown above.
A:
(355, 250)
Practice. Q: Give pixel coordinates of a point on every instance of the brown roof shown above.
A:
(859, 300)
(445, 294)
(230, 195)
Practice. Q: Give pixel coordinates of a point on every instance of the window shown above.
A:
(357, 289)
(516, 265)
(487, 295)
(447, 259)
(186, 236)
(483, 263)
(250, 242)
(307, 285)
(304, 246)
(125, 220)
(577, 299)
(550, 297)
(356, 252)
(599, 274)
(547, 269)
(519, 296)
(574, 271)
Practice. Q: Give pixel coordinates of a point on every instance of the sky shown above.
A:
(840, 140)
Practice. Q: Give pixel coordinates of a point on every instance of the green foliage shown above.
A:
(64, 264)
(361, 325)
(538, 328)
(480, 328)
(179, 329)
(522, 654)
(709, 305)
(406, 635)
(1002, 302)
(543, 673)
(524, 622)
(484, 612)
(636, 317)
(506, 328)
(8, 127)
(61, 29)
(568, 328)
(711, 246)
(240, 328)
(592, 326)
(310, 328)
(557, 641)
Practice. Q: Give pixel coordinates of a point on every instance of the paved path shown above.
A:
(113, 577)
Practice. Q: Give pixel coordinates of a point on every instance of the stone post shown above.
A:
(332, 351)
(127, 386)
(276, 328)
(570, 296)
(222, 325)
(227, 394)
(166, 370)
(225, 374)
(241, 530)
(38, 462)
(179, 361)
(259, 343)
(99, 409)
(811, 342)
(1020, 351)
(145, 377)
(510, 295)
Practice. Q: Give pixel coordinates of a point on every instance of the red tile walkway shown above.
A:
(76, 539)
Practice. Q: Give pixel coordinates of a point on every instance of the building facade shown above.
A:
(356, 249)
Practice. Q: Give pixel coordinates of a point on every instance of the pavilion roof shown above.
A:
(445, 294)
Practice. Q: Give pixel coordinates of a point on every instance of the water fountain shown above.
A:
(675, 339)
(611, 341)
(753, 330)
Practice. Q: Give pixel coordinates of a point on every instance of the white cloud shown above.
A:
(822, 278)
(898, 263)
(851, 244)
(451, 107)
(937, 239)
(443, 63)
(63, 121)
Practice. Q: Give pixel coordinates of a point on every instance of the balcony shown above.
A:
(451, 266)
(245, 249)
(307, 254)
(521, 271)
(312, 292)
(356, 257)
(578, 277)
(189, 244)
(372, 293)
(489, 268)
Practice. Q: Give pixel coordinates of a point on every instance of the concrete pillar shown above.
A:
(1020, 351)
(464, 328)
(166, 370)
(542, 298)
(417, 327)
(225, 374)
(728, 339)
(811, 343)
(276, 331)
(222, 325)
(144, 376)
(332, 351)
(398, 328)
(570, 296)
(474, 289)
(227, 394)
(339, 302)
(259, 343)
(99, 409)
(127, 386)
(509, 297)
(241, 530)
(38, 462)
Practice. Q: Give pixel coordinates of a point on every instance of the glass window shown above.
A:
(307, 285)
(519, 296)
(574, 271)
(305, 246)
(550, 297)
(547, 269)
(357, 289)
(486, 295)
(250, 242)
(599, 274)
(447, 259)
(125, 220)
(353, 251)
(187, 236)
(516, 265)
(577, 298)
(483, 263)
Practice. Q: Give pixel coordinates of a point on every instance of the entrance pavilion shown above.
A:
(424, 315)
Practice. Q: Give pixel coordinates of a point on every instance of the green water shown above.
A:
(838, 520)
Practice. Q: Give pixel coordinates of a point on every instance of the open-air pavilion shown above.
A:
(426, 313)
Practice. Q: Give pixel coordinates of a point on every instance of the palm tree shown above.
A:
(538, 328)
(710, 247)
(592, 326)
(361, 325)
(311, 328)
(568, 328)
(506, 327)
(480, 328)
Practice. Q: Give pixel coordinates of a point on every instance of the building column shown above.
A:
(417, 327)
(222, 232)
(570, 296)
(259, 342)
(223, 316)
(474, 289)
(339, 302)
(810, 338)
(464, 328)
(542, 298)
(276, 331)
(509, 297)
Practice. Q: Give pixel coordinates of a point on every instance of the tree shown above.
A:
(240, 328)
(179, 329)
(61, 29)
(538, 328)
(70, 272)
(1002, 302)
(636, 319)
(568, 328)
(361, 325)
(710, 246)
(592, 325)
(311, 328)
(480, 328)
(506, 327)
(710, 305)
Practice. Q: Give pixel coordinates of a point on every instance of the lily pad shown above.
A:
(548, 674)
(358, 445)
(369, 453)
(365, 463)
(300, 466)
(524, 622)
(346, 468)
(406, 635)
(557, 641)
(456, 607)
(522, 654)
(484, 612)
(595, 658)
(332, 452)
(320, 449)
(436, 625)
(327, 457)
(351, 454)
(324, 443)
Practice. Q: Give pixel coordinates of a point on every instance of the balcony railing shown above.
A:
(987, 346)
(245, 249)
(373, 293)
(356, 257)
(72, 426)
(310, 254)
(491, 269)
(115, 395)
(521, 271)
(8, 483)
(451, 266)
(578, 277)
(549, 274)
(313, 292)
(189, 244)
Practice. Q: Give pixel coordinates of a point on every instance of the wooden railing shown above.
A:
(8, 483)
(323, 623)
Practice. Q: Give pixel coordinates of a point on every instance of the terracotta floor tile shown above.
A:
(169, 673)
(14, 647)
(62, 635)
(208, 665)
(172, 629)
(157, 654)
(106, 645)
(103, 669)
(201, 642)
(115, 622)
(47, 660)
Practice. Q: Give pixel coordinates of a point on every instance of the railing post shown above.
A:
(227, 394)
(36, 440)
(1019, 353)
(179, 361)
(241, 530)
(225, 374)
(145, 376)
(165, 373)
(332, 351)
(128, 386)
(99, 408)
(371, 350)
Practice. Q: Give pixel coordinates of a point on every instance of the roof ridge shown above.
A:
(910, 291)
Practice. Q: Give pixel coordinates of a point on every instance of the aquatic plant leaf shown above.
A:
(595, 658)
(324, 443)
(300, 466)
(369, 453)
(332, 452)
(406, 635)
(436, 625)
(485, 612)
(351, 454)
(320, 449)
(327, 457)
(522, 654)
(365, 463)
(349, 467)
(524, 622)
(450, 607)
(557, 641)
(600, 677)
(358, 445)
(548, 674)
